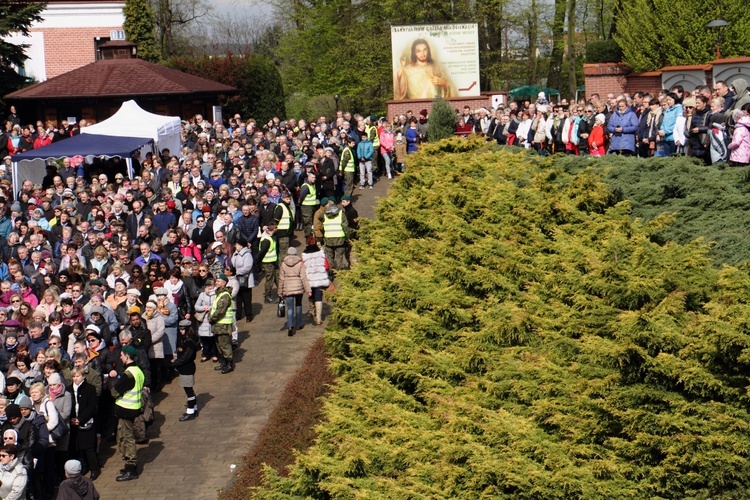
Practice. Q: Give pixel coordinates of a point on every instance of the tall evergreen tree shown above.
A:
(139, 28)
(15, 17)
(442, 122)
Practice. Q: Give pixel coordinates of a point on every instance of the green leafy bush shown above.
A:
(601, 51)
(511, 331)
(442, 122)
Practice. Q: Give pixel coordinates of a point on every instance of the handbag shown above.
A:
(87, 426)
(243, 280)
(61, 429)
(281, 309)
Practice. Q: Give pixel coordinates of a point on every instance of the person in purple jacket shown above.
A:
(622, 129)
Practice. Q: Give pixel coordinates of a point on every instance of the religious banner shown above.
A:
(436, 60)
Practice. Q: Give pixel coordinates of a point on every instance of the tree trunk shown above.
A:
(554, 72)
(533, 33)
(572, 84)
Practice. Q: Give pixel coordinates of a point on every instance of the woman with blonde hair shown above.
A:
(101, 261)
(118, 273)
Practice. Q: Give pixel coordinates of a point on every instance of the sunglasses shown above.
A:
(15, 301)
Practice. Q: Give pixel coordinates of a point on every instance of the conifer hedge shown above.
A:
(511, 331)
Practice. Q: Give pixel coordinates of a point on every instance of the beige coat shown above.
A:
(293, 277)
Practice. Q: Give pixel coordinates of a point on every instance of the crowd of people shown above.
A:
(112, 287)
(712, 124)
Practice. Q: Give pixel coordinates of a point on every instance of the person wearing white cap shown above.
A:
(133, 299)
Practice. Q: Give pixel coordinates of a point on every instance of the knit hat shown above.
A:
(96, 310)
(13, 411)
(24, 401)
(134, 310)
(72, 467)
(93, 328)
(129, 350)
(600, 118)
(54, 379)
(291, 251)
(160, 291)
(15, 207)
(121, 281)
(185, 323)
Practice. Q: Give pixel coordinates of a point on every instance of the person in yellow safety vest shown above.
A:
(371, 128)
(282, 215)
(308, 200)
(336, 235)
(127, 386)
(269, 257)
(221, 318)
(347, 167)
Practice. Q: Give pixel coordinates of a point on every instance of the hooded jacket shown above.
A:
(293, 277)
(740, 146)
(77, 487)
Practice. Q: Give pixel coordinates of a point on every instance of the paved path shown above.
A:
(194, 460)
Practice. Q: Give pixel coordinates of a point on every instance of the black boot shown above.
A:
(221, 366)
(229, 368)
(188, 416)
(131, 472)
(290, 332)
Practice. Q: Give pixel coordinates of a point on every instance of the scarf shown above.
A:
(55, 393)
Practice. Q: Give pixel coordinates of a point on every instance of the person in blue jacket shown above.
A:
(622, 128)
(364, 153)
(666, 131)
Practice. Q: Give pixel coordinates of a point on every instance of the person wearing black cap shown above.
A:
(13, 389)
(28, 435)
(184, 363)
(128, 386)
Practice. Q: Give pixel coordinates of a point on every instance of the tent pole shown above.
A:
(16, 187)
(129, 163)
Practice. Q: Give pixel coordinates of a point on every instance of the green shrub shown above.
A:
(511, 331)
(442, 122)
(601, 51)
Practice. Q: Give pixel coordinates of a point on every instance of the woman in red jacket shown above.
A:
(596, 137)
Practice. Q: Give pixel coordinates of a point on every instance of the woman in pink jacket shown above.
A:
(386, 146)
(740, 145)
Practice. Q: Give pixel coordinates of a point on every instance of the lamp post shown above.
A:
(336, 98)
(718, 24)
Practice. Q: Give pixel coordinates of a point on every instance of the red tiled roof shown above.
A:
(687, 67)
(732, 60)
(120, 77)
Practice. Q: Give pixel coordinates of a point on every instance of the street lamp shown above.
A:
(718, 24)
(336, 98)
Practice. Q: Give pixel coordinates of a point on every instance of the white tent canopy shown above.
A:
(132, 121)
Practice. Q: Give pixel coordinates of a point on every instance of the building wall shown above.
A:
(64, 39)
(66, 49)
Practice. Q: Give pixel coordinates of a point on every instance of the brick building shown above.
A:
(617, 78)
(69, 35)
(96, 91)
